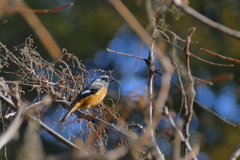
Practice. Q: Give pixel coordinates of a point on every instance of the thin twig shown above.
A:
(109, 50)
(212, 112)
(211, 63)
(176, 63)
(221, 56)
(203, 81)
(38, 10)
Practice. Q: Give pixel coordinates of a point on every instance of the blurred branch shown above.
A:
(117, 153)
(37, 10)
(18, 120)
(12, 130)
(3, 4)
(206, 20)
(236, 154)
(57, 136)
(53, 9)
(140, 31)
(40, 30)
(3, 127)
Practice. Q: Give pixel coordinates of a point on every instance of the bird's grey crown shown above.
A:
(102, 80)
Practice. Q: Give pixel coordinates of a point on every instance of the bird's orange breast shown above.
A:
(92, 100)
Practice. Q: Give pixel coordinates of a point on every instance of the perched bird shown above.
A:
(90, 96)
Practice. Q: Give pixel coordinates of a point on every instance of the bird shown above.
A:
(90, 96)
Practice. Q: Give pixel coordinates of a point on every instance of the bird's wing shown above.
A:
(87, 92)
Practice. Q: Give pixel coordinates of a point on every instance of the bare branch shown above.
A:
(109, 50)
(190, 90)
(223, 57)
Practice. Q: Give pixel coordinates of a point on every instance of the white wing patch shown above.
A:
(85, 92)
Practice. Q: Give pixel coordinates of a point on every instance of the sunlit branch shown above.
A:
(236, 154)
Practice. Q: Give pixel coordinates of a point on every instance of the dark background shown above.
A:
(88, 27)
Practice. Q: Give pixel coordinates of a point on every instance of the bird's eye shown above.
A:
(104, 78)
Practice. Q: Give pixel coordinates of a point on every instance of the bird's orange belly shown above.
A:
(93, 100)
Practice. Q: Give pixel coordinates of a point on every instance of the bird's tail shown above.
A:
(74, 108)
(66, 116)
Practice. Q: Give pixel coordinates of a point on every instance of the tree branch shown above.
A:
(190, 90)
